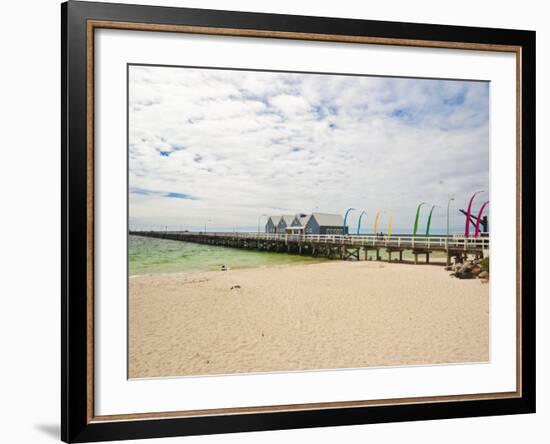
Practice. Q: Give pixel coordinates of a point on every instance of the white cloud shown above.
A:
(244, 143)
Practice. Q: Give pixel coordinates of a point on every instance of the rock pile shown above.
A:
(468, 270)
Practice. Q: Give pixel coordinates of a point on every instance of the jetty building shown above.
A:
(315, 223)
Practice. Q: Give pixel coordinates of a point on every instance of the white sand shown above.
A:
(302, 317)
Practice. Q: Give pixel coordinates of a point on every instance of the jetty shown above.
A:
(343, 247)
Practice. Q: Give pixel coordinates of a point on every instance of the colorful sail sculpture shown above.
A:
(363, 213)
(415, 228)
(390, 224)
(345, 220)
(376, 220)
(476, 234)
(469, 212)
(429, 221)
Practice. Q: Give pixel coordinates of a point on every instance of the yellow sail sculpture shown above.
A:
(376, 220)
(390, 224)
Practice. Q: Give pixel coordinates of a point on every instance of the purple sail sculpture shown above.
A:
(479, 217)
(467, 229)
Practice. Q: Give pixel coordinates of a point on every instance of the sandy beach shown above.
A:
(304, 317)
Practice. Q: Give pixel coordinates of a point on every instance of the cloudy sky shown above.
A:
(223, 147)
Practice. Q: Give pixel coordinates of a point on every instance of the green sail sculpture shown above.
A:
(364, 213)
(429, 221)
(415, 229)
(345, 220)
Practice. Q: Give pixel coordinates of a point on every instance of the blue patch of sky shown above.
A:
(457, 99)
(318, 112)
(445, 104)
(173, 148)
(362, 106)
(141, 191)
(324, 109)
(279, 140)
(180, 196)
(387, 99)
(248, 96)
(174, 195)
(403, 114)
(197, 158)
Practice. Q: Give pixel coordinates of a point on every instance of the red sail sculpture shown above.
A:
(479, 217)
(467, 229)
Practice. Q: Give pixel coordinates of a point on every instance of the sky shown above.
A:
(225, 147)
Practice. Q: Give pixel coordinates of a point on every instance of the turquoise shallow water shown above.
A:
(151, 256)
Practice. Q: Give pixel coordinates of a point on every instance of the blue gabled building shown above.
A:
(271, 225)
(325, 223)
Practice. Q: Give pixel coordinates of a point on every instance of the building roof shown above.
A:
(302, 219)
(274, 219)
(328, 220)
(287, 219)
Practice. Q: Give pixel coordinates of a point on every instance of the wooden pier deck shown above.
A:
(350, 247)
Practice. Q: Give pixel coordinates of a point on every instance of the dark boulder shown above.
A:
(464, 275)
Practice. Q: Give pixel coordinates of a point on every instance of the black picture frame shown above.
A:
(76, 423)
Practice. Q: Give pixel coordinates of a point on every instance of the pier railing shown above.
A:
(378, 241)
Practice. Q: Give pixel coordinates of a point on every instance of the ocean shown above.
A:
(152, 256)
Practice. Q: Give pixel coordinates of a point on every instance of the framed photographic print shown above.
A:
(275, 221)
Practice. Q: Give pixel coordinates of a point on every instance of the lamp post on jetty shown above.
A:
(208, 220)
(259, 219)
(447, 238)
